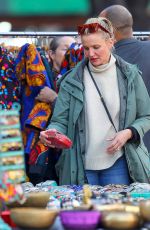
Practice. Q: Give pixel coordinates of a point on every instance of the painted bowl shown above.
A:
(80, 220)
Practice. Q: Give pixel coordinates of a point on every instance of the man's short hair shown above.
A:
(119, 16)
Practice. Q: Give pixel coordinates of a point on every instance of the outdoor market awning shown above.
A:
(44, 7)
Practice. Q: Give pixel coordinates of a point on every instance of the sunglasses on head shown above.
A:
(92, 28)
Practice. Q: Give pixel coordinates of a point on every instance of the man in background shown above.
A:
(130, 49)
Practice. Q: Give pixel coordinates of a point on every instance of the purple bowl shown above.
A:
(80, 220)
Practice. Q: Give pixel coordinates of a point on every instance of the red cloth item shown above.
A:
(59, 140)
(37, 150)
(5, 215)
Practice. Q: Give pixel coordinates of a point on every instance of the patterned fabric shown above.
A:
(74, 54)
(9, 84)
(48, 67)
(37, 152)
(33, 77)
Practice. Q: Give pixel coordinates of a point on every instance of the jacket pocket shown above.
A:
(138, 160)
(144, 149)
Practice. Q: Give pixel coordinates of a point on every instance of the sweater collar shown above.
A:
(101, 68)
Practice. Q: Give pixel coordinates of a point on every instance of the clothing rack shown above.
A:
(37, 34)
(52, 34)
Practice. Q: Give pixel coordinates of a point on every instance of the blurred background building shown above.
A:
(63, 15)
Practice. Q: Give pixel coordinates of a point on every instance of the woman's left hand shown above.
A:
(119, 140)
(46, 95)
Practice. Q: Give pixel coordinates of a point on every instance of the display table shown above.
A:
(58, 226)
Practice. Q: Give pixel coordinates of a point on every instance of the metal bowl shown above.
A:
(33, 217)
(33, 199)
(145, 209)
(120, 220)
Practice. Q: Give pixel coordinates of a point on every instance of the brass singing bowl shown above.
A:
(118, 207)
(33, 199)
(120, 220)
(33, 217)
(145, 209)
(1, 205)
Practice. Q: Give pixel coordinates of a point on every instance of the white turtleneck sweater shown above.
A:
(98, 127)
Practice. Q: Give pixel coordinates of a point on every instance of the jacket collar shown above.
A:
(125, 42)
(75, 76)
(129, 71)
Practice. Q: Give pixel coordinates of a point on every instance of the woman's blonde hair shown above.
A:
(104, 23)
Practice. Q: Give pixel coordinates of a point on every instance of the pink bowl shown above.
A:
(80, 220)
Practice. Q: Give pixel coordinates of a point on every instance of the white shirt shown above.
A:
(98, 126)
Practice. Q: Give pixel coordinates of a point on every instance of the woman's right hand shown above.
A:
(44, 138)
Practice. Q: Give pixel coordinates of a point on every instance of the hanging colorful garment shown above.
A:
(47, 66)
(9, 84)
(74, 54)
(33, 77)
